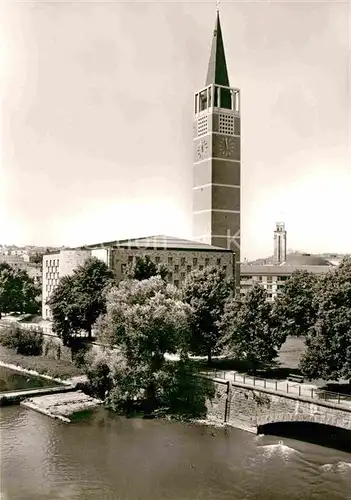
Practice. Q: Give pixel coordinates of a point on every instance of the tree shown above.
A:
(293, 309)
(207, 292)
(144, 320)
(36, 258)
(248, 329)
(328, 342)
(27, 342)
(79, 299)
(144, 268)
(18, 292)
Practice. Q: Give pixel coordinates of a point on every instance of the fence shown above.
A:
(281, 386)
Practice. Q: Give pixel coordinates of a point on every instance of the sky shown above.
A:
(97, 110)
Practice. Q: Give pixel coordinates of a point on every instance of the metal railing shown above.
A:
(281, 386)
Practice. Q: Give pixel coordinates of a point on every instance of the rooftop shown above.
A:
(281, 270)
(305, 259)
(296, 259)
(159, 242)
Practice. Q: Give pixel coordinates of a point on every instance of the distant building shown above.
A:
(279, 243)
(178, 255)
(216, 170)
(56, 265)
(272, 272)
(272, 277)
(21, 261)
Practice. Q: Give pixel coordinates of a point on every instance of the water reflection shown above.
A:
(12, 380)
(115, 458)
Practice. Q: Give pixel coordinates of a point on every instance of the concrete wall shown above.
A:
(71, 259)
(247, 408)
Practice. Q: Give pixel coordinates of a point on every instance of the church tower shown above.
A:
(216, 184)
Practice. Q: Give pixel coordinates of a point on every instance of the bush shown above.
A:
(9, 336)
(98, 370)
(27, 342)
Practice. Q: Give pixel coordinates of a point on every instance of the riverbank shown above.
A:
(52, 369)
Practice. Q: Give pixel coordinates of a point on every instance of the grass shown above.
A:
(45, 366)
(287, 362)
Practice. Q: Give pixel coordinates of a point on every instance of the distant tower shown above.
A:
(279, 243)
(216, 185)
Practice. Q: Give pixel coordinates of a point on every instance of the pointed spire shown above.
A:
(217, 72)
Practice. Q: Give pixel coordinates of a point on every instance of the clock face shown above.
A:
(226, 146)
(201, 149)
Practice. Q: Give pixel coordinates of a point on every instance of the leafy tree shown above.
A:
(207, 292)
(186, 393)
(27, 342)
(37, 258)
(145, 320)
(328, 342)
(18, 292)
(144, 268)
(79, 299)
(293, 309)
(248, 329)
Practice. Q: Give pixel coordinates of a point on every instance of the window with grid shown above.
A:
(182, 261)
(202, 125)
(226, 124)
(194, 261)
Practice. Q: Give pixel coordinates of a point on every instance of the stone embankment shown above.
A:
(62, 406)
(15, 397)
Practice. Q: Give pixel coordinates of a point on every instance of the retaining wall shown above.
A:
(247, 408)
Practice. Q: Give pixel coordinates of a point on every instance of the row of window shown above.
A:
(182, 260)
(51, 285)
(269, 279)
(176, 269)
(52, 275)
(52, 262)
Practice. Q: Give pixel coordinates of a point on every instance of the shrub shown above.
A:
(9, 336)
(98, 367)
(27, 342)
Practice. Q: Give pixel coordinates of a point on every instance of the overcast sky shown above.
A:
(96, 119)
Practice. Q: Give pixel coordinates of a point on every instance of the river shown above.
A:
(110, 457)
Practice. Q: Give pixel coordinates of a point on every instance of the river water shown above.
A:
(109, 457)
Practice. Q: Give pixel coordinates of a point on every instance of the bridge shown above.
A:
(250, 403)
